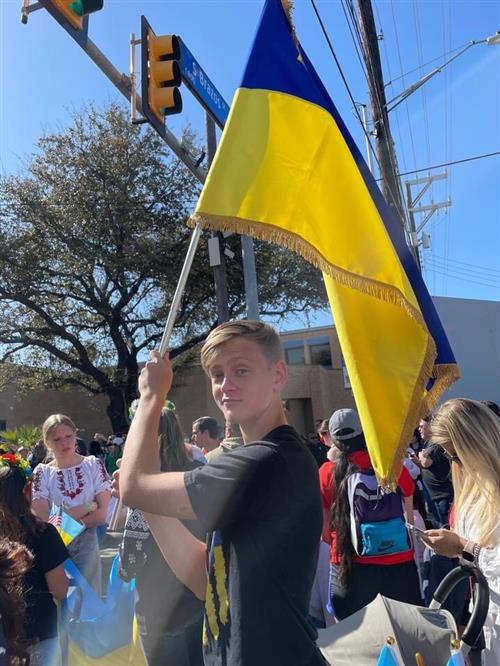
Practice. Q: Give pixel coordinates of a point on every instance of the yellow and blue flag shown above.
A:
(68, 527)
(287, 170)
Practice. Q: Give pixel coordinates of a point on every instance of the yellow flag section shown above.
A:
(288, 171)
(129, 655)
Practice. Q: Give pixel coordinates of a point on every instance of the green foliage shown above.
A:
(26, 435)
(92, 240)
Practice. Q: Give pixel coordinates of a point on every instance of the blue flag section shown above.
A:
(94, 631)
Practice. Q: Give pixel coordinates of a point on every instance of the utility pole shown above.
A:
(384, 144)
(216, 238)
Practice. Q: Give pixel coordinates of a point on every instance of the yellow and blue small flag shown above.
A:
(68, 527)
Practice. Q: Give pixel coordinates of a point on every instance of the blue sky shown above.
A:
(45, 76)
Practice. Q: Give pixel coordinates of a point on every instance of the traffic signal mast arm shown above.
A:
(123, 83)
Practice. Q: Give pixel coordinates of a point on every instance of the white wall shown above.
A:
(473, 329)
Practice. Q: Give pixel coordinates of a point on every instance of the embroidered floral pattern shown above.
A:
(73, 485)
(37, 482)
(70, 484)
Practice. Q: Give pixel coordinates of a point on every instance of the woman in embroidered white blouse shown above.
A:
(469, 433)
(78, 484)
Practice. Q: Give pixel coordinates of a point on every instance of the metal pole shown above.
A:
(250, 277)
(220, 277)
(369, 157)
(133, 92)
(413, 232)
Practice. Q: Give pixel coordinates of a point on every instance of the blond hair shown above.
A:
(474, 432)
(262, 334)
(52, 422)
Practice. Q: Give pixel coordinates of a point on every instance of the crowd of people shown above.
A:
(231, 535)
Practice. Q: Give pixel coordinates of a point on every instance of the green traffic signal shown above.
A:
(84, 7)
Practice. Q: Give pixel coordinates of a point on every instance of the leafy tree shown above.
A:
(92, 240)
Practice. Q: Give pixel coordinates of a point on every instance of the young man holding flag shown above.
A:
(260, 505)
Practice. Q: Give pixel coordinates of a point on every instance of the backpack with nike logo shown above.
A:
(377, 517)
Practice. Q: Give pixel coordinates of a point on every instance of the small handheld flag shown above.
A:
(68, 527)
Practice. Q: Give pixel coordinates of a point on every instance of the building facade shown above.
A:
(318, 382)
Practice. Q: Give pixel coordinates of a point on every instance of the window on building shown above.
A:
(295, 355)
(347, 381)
(321, 354)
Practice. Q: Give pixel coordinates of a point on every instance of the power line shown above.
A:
(355, 40)
(429, 62)
(442, 265)
(464, 263)
(463, 279)
(444, 164)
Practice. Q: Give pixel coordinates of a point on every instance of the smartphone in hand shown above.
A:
(416, 530)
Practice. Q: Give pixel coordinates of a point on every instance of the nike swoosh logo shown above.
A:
(385, 546)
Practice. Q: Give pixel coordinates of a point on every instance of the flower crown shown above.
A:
(168, 405)
(13, 460)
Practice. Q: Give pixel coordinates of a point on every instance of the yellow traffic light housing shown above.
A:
(161, 75)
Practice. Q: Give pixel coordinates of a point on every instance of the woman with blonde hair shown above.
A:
(79, 486)
(469, 434)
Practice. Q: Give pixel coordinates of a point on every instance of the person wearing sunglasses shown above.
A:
(469, 434)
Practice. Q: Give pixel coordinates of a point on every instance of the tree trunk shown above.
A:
(117, 409)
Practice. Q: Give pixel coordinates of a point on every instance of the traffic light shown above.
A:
(161, 75)
(75, 10)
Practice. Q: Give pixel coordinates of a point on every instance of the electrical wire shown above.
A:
(444, 164)
(430, 62)
(354, 39)
(464, 279)
(477, 268)
(388, 67)
(398, 48)
(341, 72)
(444, 265)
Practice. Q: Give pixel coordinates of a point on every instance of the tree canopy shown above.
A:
(92, 239)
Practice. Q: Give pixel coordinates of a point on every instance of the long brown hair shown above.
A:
(340, 520)
(17, 522)
(173, 453)
(15, 560)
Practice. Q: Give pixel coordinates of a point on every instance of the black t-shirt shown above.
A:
(261, 505)
(162, 599)
(49, 552)
(437, 477)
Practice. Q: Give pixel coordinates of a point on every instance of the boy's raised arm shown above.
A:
(142, 485)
